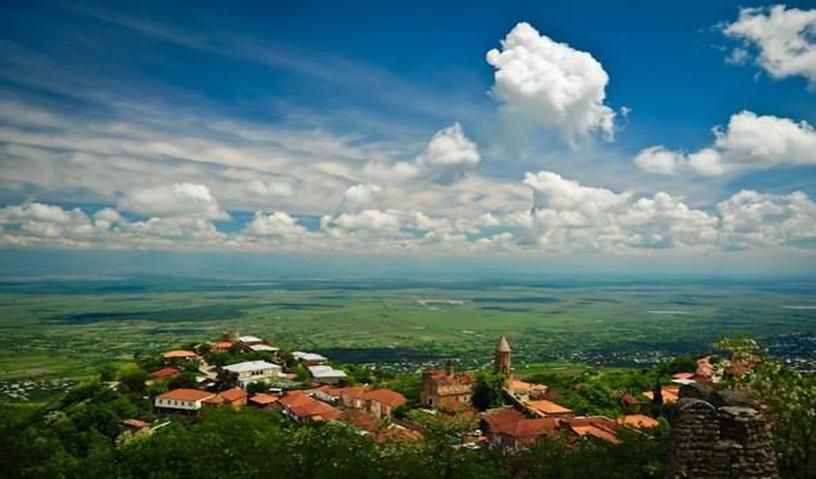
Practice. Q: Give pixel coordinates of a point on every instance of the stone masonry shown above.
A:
(720, 435)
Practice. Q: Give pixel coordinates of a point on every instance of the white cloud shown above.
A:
(545, 83)
(269, 188)
(784, 39)
(751, 219)
(359, 196)
(749, 141)
(449, 154)
(278, 224)
(568, 216)
(176, 200)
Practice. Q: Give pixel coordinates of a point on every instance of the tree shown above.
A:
(133, 379)
(107, 372)
(790, 399)
(257, 387)
(489, 390)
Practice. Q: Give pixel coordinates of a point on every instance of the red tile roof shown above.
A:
(135, 423)
(262, 399)
(547, 407)
(178, 353)
(234, 394)
(165, 373)
(304, 406)
(638, 420)
(511, 422)
(183, 394)
(596, 426)
(361, 420)
(222, 345)
(386, 397)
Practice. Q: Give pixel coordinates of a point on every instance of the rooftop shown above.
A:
(184, 394)
(165, 373)
(263, 347)
(547, 407)
(250, 366)
(326, 372)
(233, 394)
(387, 397)
(262, 399)
(250, 339)
(302, 356)
(638, 420)
(178, 353)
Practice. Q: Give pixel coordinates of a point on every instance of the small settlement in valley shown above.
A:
(305, 387)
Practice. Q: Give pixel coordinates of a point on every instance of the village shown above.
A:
(247, 371)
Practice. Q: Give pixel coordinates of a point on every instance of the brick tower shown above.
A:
(502, 361)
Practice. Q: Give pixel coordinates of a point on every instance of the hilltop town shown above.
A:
(240, 371)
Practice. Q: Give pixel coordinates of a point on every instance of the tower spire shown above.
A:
(502, 362)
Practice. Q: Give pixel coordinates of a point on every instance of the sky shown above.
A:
(619, 135)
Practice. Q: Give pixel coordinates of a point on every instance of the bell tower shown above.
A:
(502, 362)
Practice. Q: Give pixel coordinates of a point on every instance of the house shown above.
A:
(262, 400)
(670, 393)
(526, 391)
(629, 402)
(235, 397)
(600, 427)
(165, 373)
(638, 421)
(302, 407)
(263, 348)
(250, 340)
(545, 408)
(309, 359)
(326, 374)
(363, 421)
(440, 386)
(351, 397)
(182, 400)
(222, 346)
(508, 430)
(178, 354)
(135, 426)
(382, 402)
(251, 371)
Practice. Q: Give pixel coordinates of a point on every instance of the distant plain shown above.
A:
(67, 328)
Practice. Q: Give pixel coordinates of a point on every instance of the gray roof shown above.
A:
(326, 372)
(250, 366)
(300, 355)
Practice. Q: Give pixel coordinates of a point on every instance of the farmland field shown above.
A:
(67, 328)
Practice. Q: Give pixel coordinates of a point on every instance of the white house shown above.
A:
(181, 400)
(326, 374)
(310, 359)
(251, 371)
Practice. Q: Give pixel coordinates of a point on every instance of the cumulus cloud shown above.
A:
(359, 196)
(278, 224)
(176, 200)
(749, 141)
(545, 83)
(449, 154)
(570, 216)
(783, 39)
(752, 219)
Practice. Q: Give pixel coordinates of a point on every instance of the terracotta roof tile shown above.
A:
(178, 353)
(387, 397)
(262, 399)
(183, 394)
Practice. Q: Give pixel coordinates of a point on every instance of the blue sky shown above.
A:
(346, 129)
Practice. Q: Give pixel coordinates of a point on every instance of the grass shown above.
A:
(49, 330)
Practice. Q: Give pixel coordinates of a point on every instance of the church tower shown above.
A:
(502, 361)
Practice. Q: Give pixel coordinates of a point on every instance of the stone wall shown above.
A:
(720, 435)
